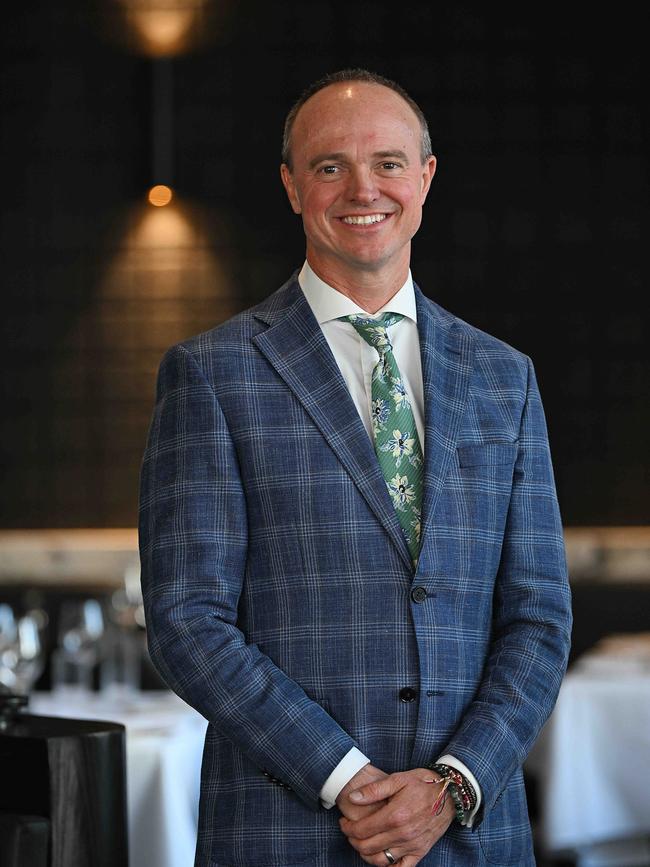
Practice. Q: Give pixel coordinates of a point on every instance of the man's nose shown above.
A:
(362, 186)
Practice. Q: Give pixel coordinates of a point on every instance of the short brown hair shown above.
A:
(353, 75)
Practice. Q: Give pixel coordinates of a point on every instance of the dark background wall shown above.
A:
(535, 229)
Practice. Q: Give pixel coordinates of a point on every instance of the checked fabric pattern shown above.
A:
(275, 577)
(396, 438)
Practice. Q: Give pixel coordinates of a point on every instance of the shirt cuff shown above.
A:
(350, 764)
(465, 771)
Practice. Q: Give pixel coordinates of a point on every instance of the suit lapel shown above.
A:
(295, 346)
(447, 354)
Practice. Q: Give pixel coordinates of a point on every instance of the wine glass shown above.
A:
(7, 624)
(80, 633)
(120, 669)
(8, 632)
(81, 626)
(23, 658)
(31, 655)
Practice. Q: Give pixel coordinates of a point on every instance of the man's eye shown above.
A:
(390, 166)
(328, 170)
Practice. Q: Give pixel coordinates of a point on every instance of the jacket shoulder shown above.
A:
(489, 351)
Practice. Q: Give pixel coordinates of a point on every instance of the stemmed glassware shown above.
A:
(31, 656)
(8, 633)
(80, 632)
(81, 626)
(120, 670)
(22, 655)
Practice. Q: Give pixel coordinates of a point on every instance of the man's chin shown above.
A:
(368, 260)
(371, 257)
(372, 263)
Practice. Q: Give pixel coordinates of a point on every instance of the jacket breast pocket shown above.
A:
(478, 492)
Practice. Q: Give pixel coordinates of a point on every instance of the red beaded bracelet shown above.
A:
(460, 789)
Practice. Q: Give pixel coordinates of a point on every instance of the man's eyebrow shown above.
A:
(397, 154)
(339, 156)
(336, 157)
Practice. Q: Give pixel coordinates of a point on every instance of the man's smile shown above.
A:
(363, 219)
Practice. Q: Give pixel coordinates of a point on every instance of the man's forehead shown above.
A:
(355, 114)
(346, 96)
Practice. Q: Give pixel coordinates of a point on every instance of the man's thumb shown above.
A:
(373, 792)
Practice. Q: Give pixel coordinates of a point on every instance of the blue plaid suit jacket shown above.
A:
(278, 585)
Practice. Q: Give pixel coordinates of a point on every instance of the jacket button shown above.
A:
(418, 594)
(408, 694)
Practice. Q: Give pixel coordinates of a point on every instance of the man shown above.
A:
(351, 547)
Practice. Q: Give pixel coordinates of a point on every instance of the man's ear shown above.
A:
(290, 187)
(428, 171)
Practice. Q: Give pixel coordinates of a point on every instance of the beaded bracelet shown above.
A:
(458, 804)
(447, 788)
(439, 803)
(467, 789)
(461, 790)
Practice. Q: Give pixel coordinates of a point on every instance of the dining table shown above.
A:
(592, 759)
(164, 745)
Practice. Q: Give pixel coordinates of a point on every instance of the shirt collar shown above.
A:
(328, 303)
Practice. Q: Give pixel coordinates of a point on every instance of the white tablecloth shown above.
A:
(593, 764)
(164, 745)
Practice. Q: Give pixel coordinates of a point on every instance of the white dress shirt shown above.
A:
(356, 360)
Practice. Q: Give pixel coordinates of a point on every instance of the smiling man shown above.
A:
(352, 554)
(354, 170)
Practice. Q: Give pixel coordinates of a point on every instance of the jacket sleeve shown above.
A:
(531, 620)
(193, 551)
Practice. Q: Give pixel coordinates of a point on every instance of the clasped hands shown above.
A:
(393, 811)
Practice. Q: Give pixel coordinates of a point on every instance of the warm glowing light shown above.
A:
(175, 258)
(162, 229)
(160, 195)
(164, 28)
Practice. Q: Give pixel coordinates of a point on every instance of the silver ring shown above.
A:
(390, 857)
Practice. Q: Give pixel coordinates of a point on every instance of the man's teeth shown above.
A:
(364, 220)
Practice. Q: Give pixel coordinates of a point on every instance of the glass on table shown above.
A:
(80, 639)
(22, 655)
(81, 627)
(119, 670)
(8, 633)
(70, 674)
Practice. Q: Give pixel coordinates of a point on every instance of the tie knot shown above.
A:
(374, 330)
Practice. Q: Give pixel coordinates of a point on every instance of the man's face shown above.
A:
(358, 180)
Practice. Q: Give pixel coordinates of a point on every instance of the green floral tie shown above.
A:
(396, 438)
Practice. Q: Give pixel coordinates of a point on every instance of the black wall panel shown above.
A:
(535, 229)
